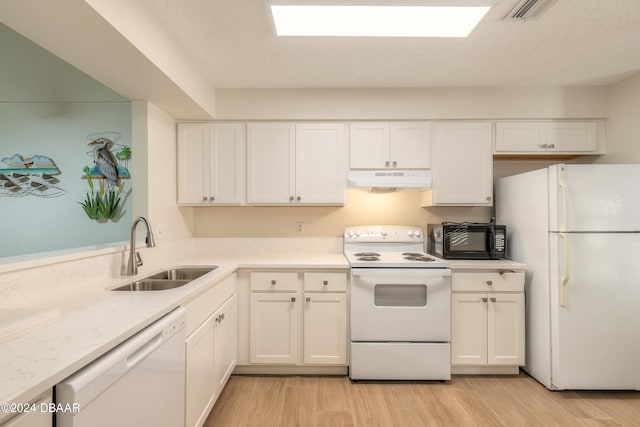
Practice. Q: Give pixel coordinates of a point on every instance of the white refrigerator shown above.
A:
(577, 227)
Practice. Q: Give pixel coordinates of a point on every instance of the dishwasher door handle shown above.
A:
(148, 348)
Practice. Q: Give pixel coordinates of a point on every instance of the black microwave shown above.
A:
(467, 240)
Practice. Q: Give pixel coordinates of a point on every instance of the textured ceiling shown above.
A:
(576, 42)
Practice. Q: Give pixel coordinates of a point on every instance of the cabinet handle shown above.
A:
(506, 271)
(298, 198)
(273, 282)
(217, 319)
(293, 299)
(325, 282)
(493, 299)
(386, 164)
(484, 299)
(394, 164)
(222, 316)
(489, 282)
(552, 145)
(308, 299)
(204, 198)
(211, 199)
(488, 198)
(542, 145)
(291, 198)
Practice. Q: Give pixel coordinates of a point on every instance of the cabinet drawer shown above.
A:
(488, 282)
(206, 304)
(330, 282)
(276, 281)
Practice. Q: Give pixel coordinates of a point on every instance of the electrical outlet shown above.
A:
(161, 231)
(299, 227)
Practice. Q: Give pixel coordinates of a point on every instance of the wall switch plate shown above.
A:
(299, 227)
(161, 231)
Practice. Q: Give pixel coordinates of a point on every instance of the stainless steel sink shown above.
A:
(183, 273)
(152, 285)
(167, 279)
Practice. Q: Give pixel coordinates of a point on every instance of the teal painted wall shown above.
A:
(50, 108)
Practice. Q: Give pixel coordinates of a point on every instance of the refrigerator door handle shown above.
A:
(562, 183)
(564, 280)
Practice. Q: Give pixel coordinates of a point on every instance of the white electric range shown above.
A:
(400, 306)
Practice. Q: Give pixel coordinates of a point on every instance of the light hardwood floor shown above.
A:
(464, 401)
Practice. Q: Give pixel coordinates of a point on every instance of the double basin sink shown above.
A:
(168, 279)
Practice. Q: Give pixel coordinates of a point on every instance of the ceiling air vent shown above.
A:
(527, 9)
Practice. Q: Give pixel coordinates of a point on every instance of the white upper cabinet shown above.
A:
(368, 145)
(549, 137)
(297, 164)
(211, 164)
(270, 163)
(462, 165)
(381, 145)
(320, 163)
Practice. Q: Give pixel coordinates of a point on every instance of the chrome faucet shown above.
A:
(135, 260)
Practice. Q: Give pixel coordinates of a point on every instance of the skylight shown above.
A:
(376, 21)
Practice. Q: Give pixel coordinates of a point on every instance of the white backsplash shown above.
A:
(42, 283)
(231, 246)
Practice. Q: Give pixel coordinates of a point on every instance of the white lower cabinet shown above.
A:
(487, 327)
(298, 313)
(200, 389)
(39, 417)
(225, 342)
(325, 320)
(274, 328)
(211, 348)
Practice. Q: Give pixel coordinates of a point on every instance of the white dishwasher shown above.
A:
(139, 383)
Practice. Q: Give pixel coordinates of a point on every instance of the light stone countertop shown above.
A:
(96, 320)
(481, 264)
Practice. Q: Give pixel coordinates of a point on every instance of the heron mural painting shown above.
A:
(105, 201)
(29, 176)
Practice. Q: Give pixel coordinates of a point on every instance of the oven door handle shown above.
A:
(400, 272)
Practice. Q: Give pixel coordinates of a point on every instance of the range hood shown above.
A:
(389, 180)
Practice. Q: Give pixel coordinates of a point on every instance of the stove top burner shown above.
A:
(368, 258)
(413, 254)
(419, 258)
(367, 254)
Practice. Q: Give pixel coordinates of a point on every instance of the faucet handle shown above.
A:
(139, 259)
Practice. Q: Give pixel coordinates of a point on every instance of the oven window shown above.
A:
(400, 295)
(467, 241)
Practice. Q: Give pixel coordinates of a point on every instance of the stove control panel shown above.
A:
(383, 233)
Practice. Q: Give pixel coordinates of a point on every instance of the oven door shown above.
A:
(400, 304)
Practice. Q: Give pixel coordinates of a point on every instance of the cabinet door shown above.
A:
(273, 334)
(227, 164)
(410, 146)
(517, 137)
(193, 159)
(468, 329)
(320, 163)
(463, 165)
(225, 342)
(200, 386)
(325, 329)
(572, 136)
(270, 163)
(369, 145)
(506, 329)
